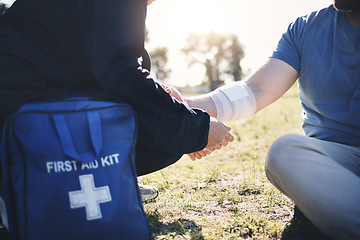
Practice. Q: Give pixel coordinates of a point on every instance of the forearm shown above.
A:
(271, 82)
(242, 99)
(161, 118)
(227, 103)
(203, 102)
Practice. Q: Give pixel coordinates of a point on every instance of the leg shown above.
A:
(149, 160)
(322, 178)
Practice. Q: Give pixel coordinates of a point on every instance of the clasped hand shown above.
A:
(219, 135)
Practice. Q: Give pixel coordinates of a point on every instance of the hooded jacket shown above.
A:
(51, 50)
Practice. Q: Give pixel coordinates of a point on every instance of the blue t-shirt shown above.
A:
(325, 50)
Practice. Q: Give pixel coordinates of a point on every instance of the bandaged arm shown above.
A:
(233, 101)
(237, 100)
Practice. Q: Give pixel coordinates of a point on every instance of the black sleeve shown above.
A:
(113, 36)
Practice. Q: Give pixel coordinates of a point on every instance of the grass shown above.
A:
(226, 195)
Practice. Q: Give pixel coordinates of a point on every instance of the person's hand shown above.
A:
(200, 154)
(219, 137)
(173, 92)
(150, 2)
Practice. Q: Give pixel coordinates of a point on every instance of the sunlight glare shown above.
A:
(198, 16)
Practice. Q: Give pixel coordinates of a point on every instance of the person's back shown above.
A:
(41, 52)
(52, 50)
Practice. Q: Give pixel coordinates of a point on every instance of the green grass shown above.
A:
(226, 195)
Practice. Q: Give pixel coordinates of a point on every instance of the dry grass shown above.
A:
(227, 195)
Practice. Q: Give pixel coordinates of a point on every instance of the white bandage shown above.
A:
(233, 101)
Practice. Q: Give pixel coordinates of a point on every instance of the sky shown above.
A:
(259, 25)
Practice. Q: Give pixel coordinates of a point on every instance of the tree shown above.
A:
(158, 63)
(159, 59)
(3, 8)
(235, 55)
(219, 54)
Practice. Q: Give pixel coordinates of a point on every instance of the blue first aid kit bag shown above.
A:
(69, 172)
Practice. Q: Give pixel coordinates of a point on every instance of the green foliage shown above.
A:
(220, 54)
(159, 60)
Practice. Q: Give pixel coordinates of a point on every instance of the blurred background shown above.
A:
(209, 42)
(198, 45)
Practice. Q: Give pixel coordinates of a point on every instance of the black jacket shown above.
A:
(52, 49)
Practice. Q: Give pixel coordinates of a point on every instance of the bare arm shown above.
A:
(219, 135)
(268, 84)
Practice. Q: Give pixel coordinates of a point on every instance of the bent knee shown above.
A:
(282, 146)
(282, 151)
(281, 158)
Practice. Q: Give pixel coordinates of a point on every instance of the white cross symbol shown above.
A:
(89, 197)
